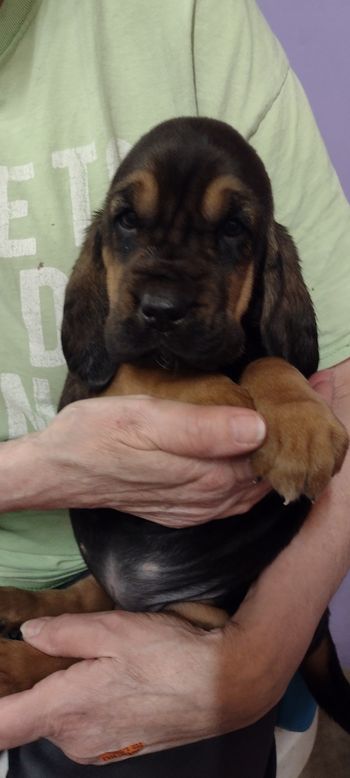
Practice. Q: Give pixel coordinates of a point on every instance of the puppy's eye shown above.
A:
(127, 220)
(231, 228)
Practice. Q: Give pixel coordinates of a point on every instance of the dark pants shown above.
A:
(247, 753)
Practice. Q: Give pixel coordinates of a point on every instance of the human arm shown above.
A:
(109, 452)
(162, 682)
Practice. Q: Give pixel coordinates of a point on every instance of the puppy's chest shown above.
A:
(150, 582)
(144, 566)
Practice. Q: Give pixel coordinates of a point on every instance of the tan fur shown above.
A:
(17, 605)
(113, 275)
(200, 614)
(25, 665)
(305, 443)
(144, 190)
(240, 290)
(204, 389)
(217, 196)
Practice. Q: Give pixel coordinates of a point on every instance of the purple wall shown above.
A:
(315, 35)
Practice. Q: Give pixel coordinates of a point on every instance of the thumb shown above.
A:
(199, 431)
(24, 716)
(76, 635)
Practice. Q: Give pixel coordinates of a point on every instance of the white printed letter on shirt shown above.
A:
(77, 160)
(21, 417)
(115, 153)
(14, 209)
(31, 282)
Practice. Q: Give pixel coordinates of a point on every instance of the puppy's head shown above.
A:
(184, 253)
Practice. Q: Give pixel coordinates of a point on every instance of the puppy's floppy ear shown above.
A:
(288, 322)
(85, 311)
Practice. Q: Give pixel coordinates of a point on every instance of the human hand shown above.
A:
(157, 681)
(170, 462)
(323, 383)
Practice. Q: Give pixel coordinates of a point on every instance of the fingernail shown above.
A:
(250, 430)
(31, 628)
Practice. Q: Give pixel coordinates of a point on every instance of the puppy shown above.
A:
(186, 288)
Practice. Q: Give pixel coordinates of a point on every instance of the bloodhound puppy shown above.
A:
(187, 288)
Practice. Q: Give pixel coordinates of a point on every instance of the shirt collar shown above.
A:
(13, 15)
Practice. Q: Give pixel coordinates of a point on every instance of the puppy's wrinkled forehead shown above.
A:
(194, 169)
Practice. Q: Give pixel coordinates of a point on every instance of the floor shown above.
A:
(331, 755)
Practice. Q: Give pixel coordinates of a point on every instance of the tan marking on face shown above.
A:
(144, 189)
(239, 293)
(246, 293)
(114, 272)
(217, 195)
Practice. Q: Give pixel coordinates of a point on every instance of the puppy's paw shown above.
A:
(305, 446)
(15, 662)
(21, 666)
(16, 606)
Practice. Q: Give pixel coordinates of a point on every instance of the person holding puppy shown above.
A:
(90, 79)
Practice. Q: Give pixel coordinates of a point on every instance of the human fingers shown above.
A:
(199, 508)
(23, 716)
(201, 431)
(79, 635)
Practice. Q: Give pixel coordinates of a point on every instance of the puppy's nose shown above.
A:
(163, 311)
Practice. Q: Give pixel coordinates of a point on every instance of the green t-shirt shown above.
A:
(80, 81)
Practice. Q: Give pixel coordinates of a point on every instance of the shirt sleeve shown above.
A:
(243, 77)
(309, 201)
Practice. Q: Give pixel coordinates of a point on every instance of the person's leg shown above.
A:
(248, 753)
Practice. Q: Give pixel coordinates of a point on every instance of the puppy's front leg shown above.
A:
(200, 389)
(305, 443)
(21, 665)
